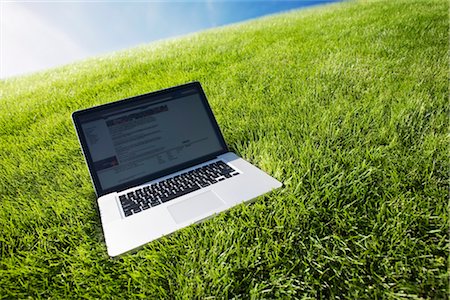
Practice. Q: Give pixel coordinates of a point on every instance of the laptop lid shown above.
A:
(135, 140)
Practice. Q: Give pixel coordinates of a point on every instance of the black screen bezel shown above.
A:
(150, 97)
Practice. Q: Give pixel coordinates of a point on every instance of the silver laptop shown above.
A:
(159, 163)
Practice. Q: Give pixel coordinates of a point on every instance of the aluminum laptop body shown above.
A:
(158, 163)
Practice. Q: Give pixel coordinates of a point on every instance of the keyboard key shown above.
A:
(154, 203)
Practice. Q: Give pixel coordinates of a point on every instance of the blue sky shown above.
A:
(36, 35)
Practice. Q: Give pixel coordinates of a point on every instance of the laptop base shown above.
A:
(123, 234)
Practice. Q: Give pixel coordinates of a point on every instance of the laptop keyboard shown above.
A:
(177, 186)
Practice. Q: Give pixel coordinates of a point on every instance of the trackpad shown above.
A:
(195, 206)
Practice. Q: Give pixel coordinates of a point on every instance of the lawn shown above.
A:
(347, 104)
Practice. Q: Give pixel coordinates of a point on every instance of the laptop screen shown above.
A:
(147, 136)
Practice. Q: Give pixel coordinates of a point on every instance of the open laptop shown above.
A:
(159, 163)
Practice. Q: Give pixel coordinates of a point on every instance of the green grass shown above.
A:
(346, 104)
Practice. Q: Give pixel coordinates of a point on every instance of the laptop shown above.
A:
(159, 163)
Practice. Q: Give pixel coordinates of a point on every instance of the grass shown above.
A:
(346, 104)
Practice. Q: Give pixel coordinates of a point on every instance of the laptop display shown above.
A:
(143, 137)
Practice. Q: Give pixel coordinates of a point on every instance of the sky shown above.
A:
(36, 35)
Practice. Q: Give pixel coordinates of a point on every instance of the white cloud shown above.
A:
(211, 12)
(30, 43)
